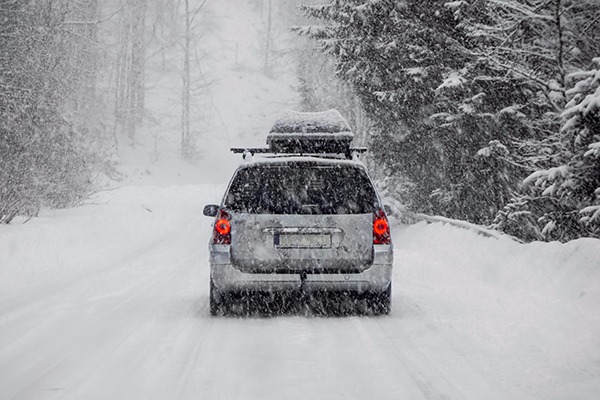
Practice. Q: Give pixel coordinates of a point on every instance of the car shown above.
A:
(301, 216)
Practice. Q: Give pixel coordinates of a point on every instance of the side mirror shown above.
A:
(211, 210)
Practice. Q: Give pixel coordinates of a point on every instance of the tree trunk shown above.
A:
(185, 114)
(130, 69)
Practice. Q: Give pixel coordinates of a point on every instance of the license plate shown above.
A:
(303, 241)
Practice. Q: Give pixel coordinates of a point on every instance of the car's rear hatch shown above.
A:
(307, 216)
(311, 243)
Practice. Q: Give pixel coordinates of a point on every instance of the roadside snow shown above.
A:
(526, 313)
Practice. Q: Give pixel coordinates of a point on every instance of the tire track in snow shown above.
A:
(440, 371)
(149, 360)
(67, 348)
(74, 344)
(295, 357)
(16, 306)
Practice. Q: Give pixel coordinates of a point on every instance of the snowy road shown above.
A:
(130, 320)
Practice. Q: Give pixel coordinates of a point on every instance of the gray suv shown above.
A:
(298, 222)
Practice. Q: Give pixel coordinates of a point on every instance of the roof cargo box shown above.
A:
(310, 132)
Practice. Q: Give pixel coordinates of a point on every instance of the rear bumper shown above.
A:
(226, 278)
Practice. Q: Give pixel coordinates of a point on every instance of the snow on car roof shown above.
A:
(330, 121)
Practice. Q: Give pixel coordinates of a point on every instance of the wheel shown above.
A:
(380, 303)
(216, 305)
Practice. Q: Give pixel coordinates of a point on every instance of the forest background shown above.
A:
(486, 111)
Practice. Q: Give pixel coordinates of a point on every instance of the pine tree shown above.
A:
(566, 196)
(545, 45)
(467, 98)
(432, 100)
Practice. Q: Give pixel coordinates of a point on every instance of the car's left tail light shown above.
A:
(381, 228)
(222, 228)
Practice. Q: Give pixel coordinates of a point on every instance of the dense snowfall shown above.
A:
(109, 300)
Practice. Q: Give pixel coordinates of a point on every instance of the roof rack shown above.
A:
(349, 153)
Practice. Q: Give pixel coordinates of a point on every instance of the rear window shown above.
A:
(301, 188)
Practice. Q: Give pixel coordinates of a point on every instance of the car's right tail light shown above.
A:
(222, 228)
(381, 228)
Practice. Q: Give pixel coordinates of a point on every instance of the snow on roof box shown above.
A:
(310, 132)
(330, 121)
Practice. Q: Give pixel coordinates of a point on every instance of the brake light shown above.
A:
(222, 229)
(381, 228)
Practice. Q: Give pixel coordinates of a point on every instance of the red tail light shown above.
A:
(381, 228)
(222, 229)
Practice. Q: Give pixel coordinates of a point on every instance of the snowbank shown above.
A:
(531, 308)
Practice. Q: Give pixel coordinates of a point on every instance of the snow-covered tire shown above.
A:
(379, 303)
(216, 305)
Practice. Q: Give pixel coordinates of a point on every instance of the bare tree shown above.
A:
(186, 93)
(47, 74)
(130, 80)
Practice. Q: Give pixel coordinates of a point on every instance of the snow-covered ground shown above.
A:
(109, 300)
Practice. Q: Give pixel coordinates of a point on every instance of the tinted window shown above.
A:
(301, 188)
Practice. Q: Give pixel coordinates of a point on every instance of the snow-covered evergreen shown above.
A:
(570, 189)
(548, 47)
(466, 97)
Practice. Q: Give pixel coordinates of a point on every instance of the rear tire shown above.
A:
(215, 300)
(379, 303)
